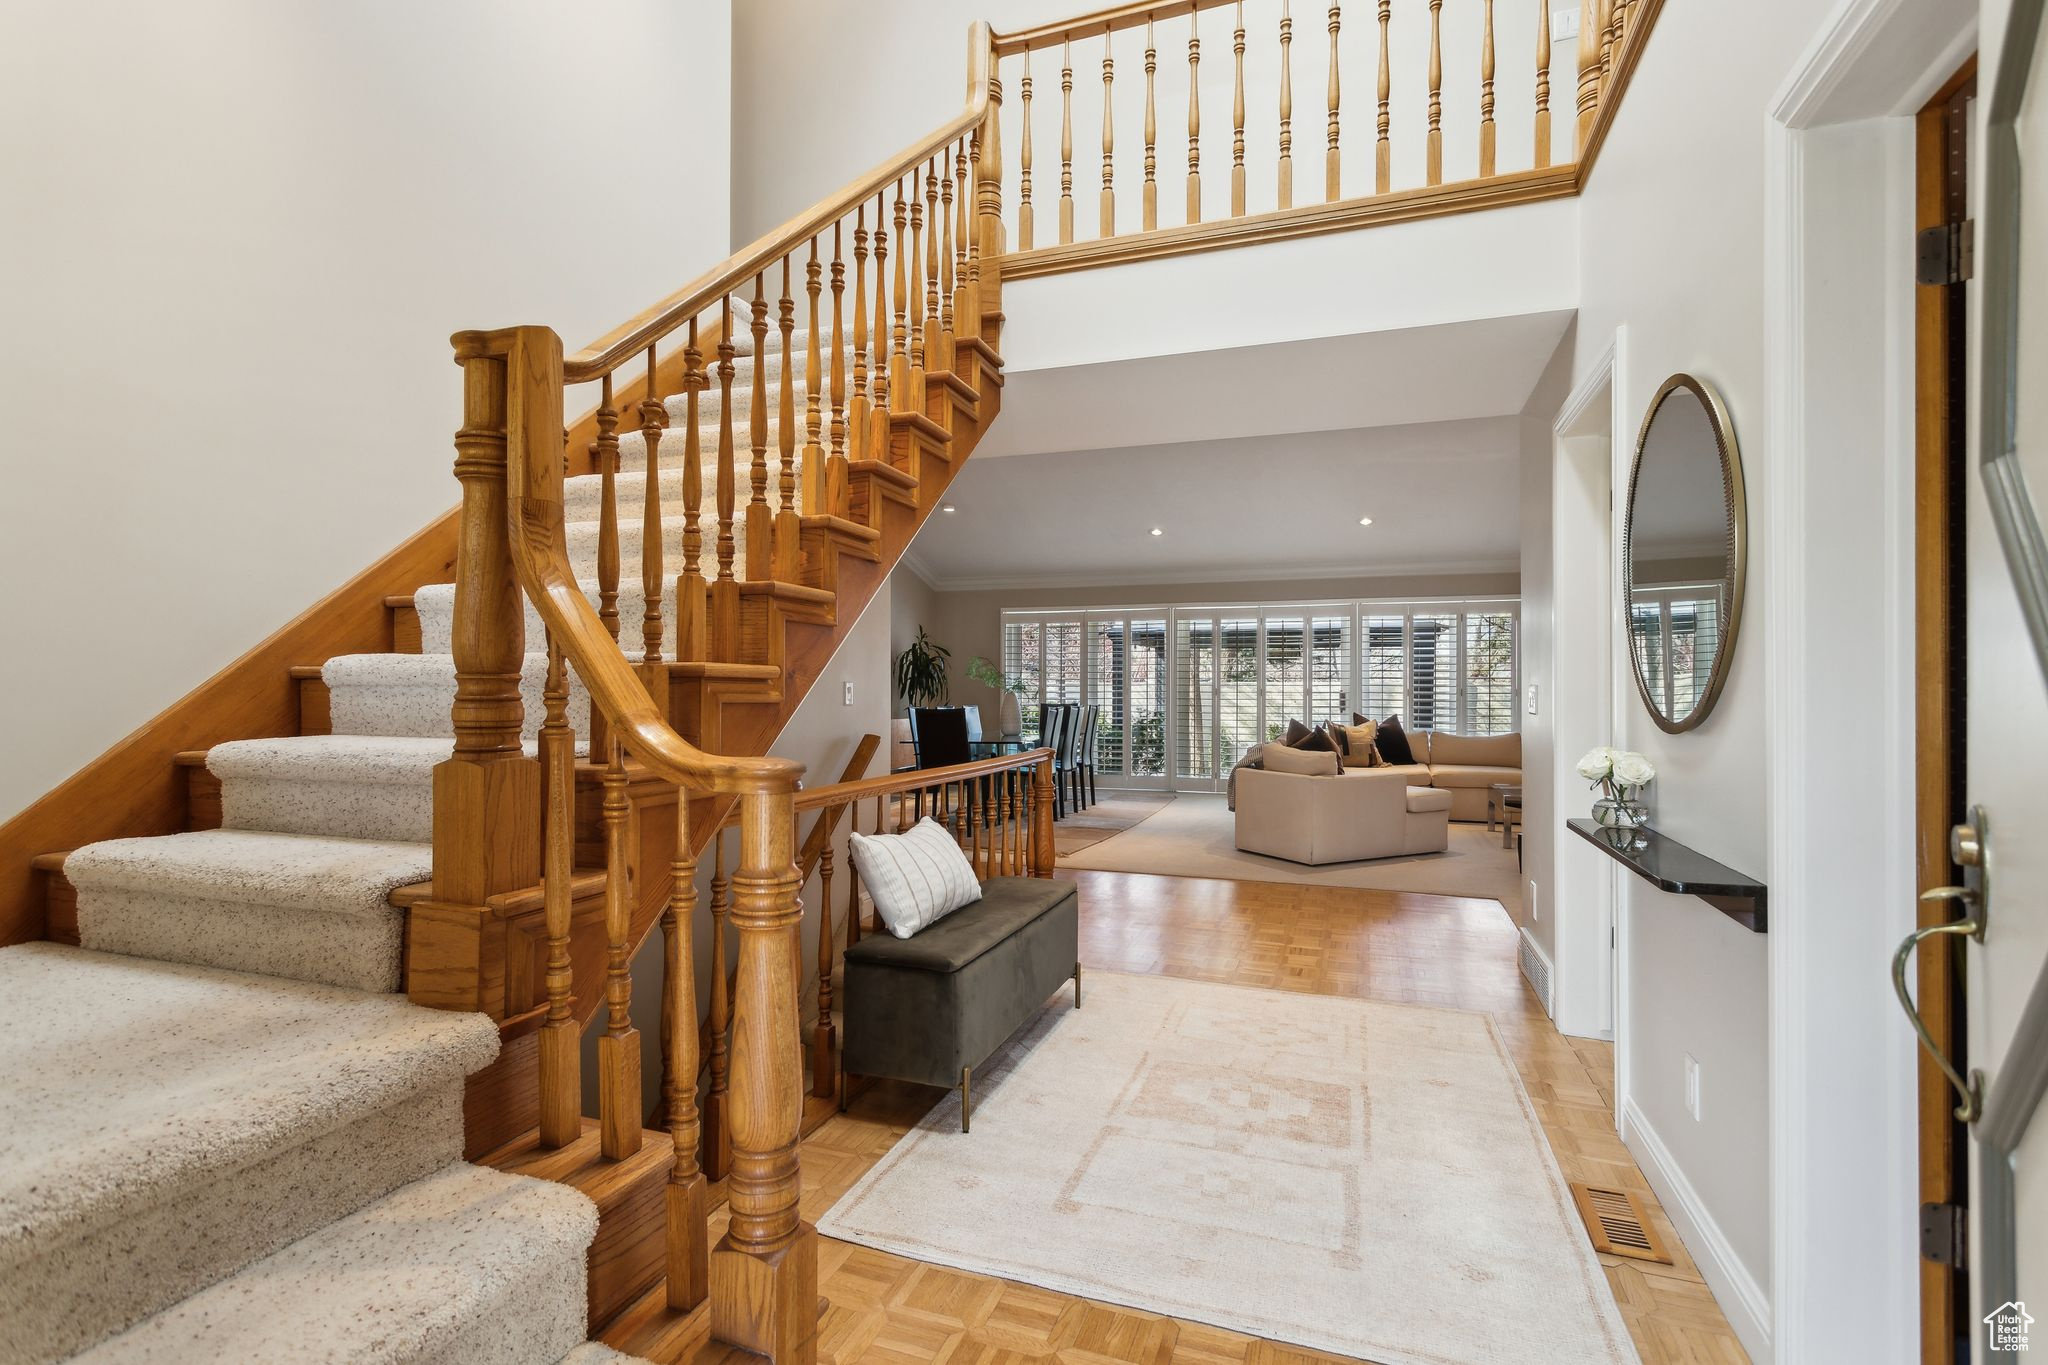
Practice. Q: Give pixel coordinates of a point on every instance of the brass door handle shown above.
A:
(1972, 1089)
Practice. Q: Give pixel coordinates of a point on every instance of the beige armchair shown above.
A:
(1371, 813)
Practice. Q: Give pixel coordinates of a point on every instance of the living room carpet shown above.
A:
(1196, 836)
(1109, 815)
(1349, 1175)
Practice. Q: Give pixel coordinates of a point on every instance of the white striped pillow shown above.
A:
(915, 879)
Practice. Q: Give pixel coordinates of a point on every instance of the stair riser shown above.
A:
(361, 953)
(401, 812)
(422, 709)
(64, 1298)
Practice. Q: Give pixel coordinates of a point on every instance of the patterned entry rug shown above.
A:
(1352, 1176)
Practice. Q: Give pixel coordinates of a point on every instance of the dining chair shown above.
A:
(1084, 771)
(1053, 727)
(940, 733)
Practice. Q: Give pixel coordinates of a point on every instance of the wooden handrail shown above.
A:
(914, 780)
(663, 319)
(1115, 19)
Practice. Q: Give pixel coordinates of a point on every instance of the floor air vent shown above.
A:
(1619, 1224)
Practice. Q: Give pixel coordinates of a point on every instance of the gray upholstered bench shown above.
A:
(933, 1007)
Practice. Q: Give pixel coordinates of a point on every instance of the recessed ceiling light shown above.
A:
(1157, 531)
(946, 507)
(1362, 521)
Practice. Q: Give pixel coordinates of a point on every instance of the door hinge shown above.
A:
(1944, 1234)
(1948, 253)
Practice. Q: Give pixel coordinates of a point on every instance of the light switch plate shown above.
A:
(1564, 23)
(1692, 1086)
(1529, 699)
(849, 695)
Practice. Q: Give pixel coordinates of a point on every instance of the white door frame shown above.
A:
(1837, 538)
(1589, 933)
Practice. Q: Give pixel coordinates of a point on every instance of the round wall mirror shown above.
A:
(1682, 553)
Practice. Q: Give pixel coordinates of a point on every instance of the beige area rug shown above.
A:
(1348, 1175)
(1196, 836)
(1112, 814)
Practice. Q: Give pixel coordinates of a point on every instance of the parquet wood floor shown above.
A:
(1426, 950)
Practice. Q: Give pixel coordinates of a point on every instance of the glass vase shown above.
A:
(1620, 812)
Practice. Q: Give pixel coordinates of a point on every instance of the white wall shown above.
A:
(1672, 245)
(236, 238)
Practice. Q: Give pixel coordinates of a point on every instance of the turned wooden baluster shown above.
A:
(618, 1050)
(899, 355)
(1195, 116)
(991, 238)
(1024, 211)
(1486, 133)
(1383, 152)
(1041, 821)
(1286, 186)
(693, 626)
(1066, 143)
(1237, 119)
(857, 406)
(688, 1197)
(970, 324)
(934, 346)
(760, 517)
(788, 531)
(561, 1082)
(914, 257)
(885, 356)
(1542, 84)
(961, 321)
(725, 589)
(604, 453)
(948, 282)
(653, 421)
(1591, 25)
(823, 1042)
(765, 1268)
(1151, 205)
(717, 1134)
(831, 480)
(1609, 16)
(1333, 158)
(1108, 140)
(1435, 158)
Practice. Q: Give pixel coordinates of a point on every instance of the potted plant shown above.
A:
(1009, 691)
(921, 672)
(1619, 775)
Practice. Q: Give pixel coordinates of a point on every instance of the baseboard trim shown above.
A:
(1741, 1297)
(1538, 972)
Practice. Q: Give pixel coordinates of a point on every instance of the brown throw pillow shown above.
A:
(1319, 741)
(1295, 733)
(1391, 740)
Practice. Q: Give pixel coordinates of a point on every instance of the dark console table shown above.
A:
(1671, 866)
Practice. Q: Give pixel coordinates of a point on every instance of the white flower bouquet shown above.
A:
(1619, 775)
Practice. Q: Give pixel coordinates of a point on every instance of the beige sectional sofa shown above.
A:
(1373, 812)
(1366, 813)
(1464, 765)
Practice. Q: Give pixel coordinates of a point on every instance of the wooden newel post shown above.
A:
(988, 190)
(764, 1271)
(487, 794)
(1042, 851)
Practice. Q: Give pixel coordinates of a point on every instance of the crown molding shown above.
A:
(919, 569)
(1007, 582)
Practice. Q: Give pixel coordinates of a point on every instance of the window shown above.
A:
(1182, 692)
(1676, 630)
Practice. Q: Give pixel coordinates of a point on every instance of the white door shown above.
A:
(2007, 716)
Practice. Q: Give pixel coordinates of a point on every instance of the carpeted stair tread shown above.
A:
(341, 786)
(287, 905)
(466, 1267)
(435, 605)
(209, 1116)
(411, 695)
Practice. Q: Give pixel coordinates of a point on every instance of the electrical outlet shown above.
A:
(849, 695)
(1529, 699)
(1564, 24)
(1692, 1087)
(1535, 909)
